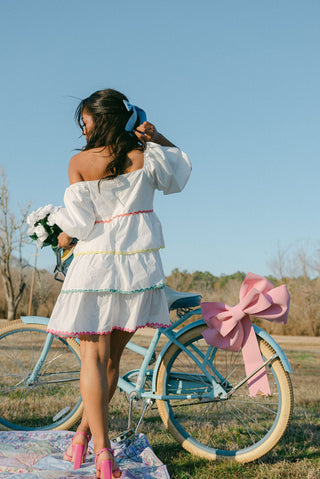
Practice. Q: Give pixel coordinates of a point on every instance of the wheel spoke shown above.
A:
(226, 426)
(242, 414)
(56, 386)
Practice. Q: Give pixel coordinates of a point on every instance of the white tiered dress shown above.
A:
(116, 279)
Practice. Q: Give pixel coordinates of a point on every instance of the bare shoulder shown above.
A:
(89, 165)
(77, 167)
(79, 158)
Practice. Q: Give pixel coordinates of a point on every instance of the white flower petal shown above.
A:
(40, 231)
(31, 218)
(41, 213)
(51, 220)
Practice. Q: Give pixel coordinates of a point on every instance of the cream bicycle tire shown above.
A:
(54, 401)
(198, 426)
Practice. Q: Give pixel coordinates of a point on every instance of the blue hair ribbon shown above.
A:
(137, 114)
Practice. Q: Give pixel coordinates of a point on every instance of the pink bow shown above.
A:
(230, 327)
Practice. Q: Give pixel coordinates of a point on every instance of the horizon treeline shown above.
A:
(304, 315)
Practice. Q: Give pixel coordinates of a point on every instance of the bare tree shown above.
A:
(278, 265)
(13, 234)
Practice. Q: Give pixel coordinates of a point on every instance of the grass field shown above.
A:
(297, 456)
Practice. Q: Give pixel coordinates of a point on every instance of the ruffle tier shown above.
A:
(124, 233)
(116, 273)
(77, 314)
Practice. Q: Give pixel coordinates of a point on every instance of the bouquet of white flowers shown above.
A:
(42, 227)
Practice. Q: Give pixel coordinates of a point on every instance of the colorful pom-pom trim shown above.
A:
(124, 214)
(149, 250)
(110, 290)
(70, 334)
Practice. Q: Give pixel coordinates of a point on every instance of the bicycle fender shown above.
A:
(273, 343)
(35, 320)
(263, 335)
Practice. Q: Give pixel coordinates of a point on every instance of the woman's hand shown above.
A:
(148, 132)
(64, 241)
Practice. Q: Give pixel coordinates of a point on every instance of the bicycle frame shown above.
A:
(194, 386)
(137, 389)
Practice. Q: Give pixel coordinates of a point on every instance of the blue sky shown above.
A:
(235, 84)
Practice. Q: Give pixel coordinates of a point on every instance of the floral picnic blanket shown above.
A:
(38, 455)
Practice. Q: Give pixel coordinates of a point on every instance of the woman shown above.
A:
(115, 283)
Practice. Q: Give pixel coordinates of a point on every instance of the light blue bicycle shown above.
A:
(201, 392)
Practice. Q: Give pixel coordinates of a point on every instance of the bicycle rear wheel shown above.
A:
(53, 400)
(240, 428)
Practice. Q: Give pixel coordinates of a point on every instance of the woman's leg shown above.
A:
(95, 353)
(100, 357)
(118, 341)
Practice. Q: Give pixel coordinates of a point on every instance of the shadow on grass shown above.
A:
(183, 465)
(300, 442)
(177, 459)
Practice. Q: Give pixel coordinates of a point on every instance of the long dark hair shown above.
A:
(110, 117)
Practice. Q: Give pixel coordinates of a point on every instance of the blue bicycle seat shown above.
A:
(176, 299)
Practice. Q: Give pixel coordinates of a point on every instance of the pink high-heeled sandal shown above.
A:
(79, 451)
(104, 471)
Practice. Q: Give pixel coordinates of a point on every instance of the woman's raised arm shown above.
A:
(148, 132)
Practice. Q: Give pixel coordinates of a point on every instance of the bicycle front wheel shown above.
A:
(240, 428)
(50, 401)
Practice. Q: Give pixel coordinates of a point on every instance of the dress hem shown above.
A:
(67, 334)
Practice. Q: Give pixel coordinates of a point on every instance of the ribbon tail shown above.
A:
(252, 360)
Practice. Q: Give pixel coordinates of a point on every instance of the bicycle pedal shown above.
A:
(126, 435)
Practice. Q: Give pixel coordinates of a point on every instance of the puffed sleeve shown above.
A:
(168, 168)
(78, 217)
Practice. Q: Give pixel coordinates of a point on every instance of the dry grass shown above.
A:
(297, 456)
